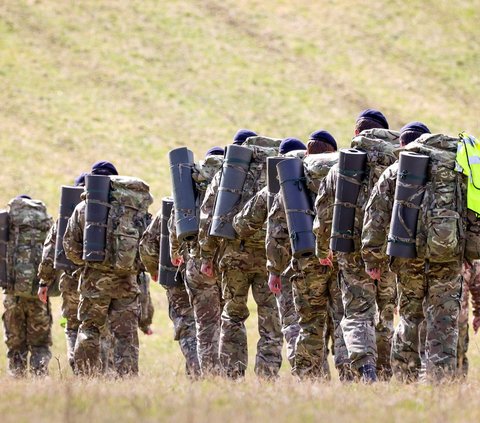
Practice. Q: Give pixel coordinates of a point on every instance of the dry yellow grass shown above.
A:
(129, 80)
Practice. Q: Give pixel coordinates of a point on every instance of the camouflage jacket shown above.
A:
(277, 241)
(377, 223)
(94, 282)
(208, 244)
(251, 219)
(225, 253)
(150, 244)
(446, 230)
(46, 271)
(202, 175)
(322, 226)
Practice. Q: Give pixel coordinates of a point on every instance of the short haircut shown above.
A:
(317, 147)
(365, 123)
(409, 136)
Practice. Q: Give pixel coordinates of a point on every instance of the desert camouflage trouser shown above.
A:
(69, 307)
(233, 338)
(181, 314)
(100, 315)
(288, 316)
(27, 324)
(430, 292)
(316, 298)
(206, 299)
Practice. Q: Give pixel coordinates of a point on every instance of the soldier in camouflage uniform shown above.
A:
(68, 286)
(277, 245)
(253, 218)
(204, 291)
(108, 299)
(27, 321)
(471, 289)
(428, 289)
(242, 262)
(367, 323)
(179, 309)
(315, 293)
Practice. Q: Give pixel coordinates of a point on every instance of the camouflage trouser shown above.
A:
(70, 301)
(146, 305)
(463, 338)
(288, 316)
(386, 303)
(98, 315)
(359, 294)
(311, 296)
(27, 324)
(435, 288)
(181, 314)
(408, 338)
(206, 298)
(339, 350)
(233, 338)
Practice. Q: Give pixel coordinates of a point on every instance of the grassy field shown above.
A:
(127, 81)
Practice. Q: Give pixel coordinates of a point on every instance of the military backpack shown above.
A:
(441, 226)
(29, 224)
(128, 217)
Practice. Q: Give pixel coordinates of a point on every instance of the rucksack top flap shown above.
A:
(130, 192)
(300, 154)
(205, 170)
(27, 212)
(260, 153)
(393, 137)
(378, 150)
(316, 166)
(262, 142)
(440, 148)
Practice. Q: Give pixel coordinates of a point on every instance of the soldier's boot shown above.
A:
(345, 373)
(107, 346)
(71, 336)
(188, 345)
(87, 352)
(17, 363)
(39, 359)
(368, 372)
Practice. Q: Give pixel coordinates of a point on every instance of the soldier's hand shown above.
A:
(177, 261)
(328, 261)
(207, 268)
(155, 277)
(43, 294)
(148, 331)
(476, 324)
(274, 283)
(374, 274)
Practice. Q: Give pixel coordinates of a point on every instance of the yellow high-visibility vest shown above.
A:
(468, 162)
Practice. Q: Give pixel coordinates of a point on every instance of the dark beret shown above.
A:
(291, 144)
(80, 180)
(415, 127)
(104, 168)
(324, 136)
(241, 136)
(374, 115)
(27, 197)
(215, 151)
